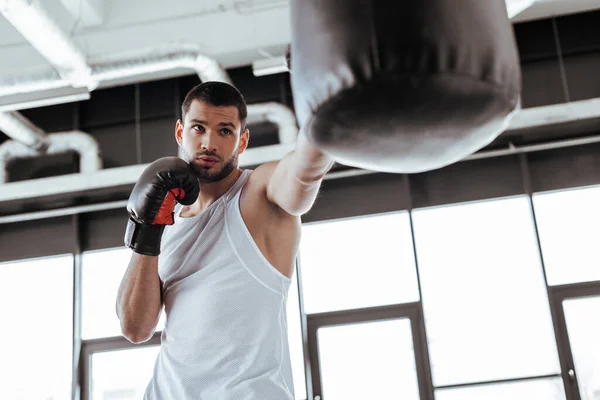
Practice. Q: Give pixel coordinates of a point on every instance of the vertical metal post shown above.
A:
(421, 346)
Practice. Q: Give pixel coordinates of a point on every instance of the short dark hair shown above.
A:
(217, 94)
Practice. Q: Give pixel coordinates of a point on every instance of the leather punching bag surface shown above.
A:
(403, 86)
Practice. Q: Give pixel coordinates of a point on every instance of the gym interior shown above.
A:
(476, 281)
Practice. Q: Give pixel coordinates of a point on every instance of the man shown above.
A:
(226, 257)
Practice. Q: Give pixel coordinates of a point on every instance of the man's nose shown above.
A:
(208, 142)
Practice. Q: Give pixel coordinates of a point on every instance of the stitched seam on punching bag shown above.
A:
(376, 62)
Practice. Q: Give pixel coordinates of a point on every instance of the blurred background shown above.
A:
(480, 280)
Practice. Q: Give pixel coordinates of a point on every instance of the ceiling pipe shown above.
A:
(71, 66)
(278, 114)
(61, 142)
(23, 131)
(31, 20)
(124, 71)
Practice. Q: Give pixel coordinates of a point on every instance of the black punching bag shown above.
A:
(403, 86)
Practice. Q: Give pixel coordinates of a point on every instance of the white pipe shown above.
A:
(61, 142)
(123, 70)
(160, 59)
(278, 114)
(32, 21)
(19, 128)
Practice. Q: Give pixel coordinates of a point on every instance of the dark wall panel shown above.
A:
(542, 83)
(467, 181)
(535, 40)
(40, 238)
(565, 168)
(158, 139)
(583, 77)
(108, 107)
(55, 118)
(258, 89)
(43, 166)
(104, 229)
(118, 144)
(579, 32)
(361, 195)
(157, 99)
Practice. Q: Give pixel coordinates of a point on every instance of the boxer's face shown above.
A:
(211, 139)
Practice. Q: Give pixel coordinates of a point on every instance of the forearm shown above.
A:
(139, 298)
(310, 163)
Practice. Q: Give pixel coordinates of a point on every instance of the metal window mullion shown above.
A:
(558, 322)
(583, 289)
(498, 381)
(304, 327)
(421, 345)
(77, 310)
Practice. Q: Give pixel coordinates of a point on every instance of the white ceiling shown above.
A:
(235, 33)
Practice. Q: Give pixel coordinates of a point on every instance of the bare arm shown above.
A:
(296, 179)
(139, 301)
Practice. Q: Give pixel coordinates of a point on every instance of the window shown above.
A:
(101, 277)
(569, 227)
(36, 338)
(366, 262)
(122, 374)
(373, 360)
(581, 316)
(485, 302)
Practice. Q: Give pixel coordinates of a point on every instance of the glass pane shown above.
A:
(372, 360)
(569, 226)
(101, 277)
(122, 374)
(484, 297)
(295, 340)
(36, 333)
(584, 335)
(547, 389)
(366, 262)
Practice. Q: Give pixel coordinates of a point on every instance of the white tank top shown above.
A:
(226, 333)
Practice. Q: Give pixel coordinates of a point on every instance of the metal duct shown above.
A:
(19, 128)
(278, 114)
(72, 67)
(32, 21)
(61, 142)
(123, 70)
(161, 59)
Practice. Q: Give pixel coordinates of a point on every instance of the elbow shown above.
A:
(137, 335)
(136, 332)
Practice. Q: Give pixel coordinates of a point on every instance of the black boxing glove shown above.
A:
(152, 202)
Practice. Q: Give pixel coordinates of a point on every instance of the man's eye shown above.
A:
(198, 127)
(226, 132)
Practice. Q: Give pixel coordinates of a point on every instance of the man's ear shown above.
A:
(179, 131)
(244, 138)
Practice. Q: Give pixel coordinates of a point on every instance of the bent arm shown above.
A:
(296, 179)
(139, 300)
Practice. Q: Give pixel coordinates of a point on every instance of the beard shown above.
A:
(208, 175)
